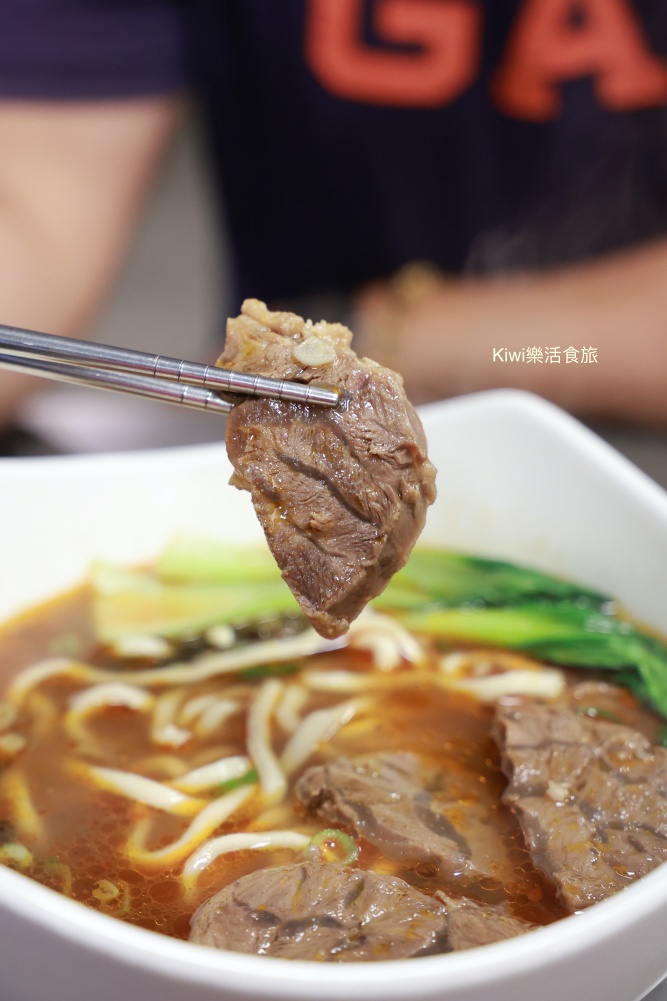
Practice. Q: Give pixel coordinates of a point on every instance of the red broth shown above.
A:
(77, 835)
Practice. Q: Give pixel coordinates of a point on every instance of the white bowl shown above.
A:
(518, 479)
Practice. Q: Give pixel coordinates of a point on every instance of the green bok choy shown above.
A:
(451, 597)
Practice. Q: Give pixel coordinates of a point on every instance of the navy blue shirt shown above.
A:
(353, 136)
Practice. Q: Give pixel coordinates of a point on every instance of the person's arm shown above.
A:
(443, 341)
(72, 180)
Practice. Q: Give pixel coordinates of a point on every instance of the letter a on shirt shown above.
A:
(446, 62)
(557, 40)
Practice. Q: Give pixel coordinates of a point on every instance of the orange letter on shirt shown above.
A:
(447, 32)
(547, 47)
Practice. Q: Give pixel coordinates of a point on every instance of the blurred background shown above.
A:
(523, 185)
(172, 298)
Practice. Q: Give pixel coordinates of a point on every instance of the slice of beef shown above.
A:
(410, 811)
(341, 493)
(591, 797)
(321, 911)
(472, 924)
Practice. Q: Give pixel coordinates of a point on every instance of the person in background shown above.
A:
(481, 184)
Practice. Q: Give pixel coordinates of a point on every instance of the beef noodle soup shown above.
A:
(444, 776)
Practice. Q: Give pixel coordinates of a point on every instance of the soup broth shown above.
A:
(69, 821)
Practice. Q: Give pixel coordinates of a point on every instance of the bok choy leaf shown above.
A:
(453, 597)
(562, 633)
(450, 579)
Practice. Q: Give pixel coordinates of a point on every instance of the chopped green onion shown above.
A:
(243, 780)
(594, 712)
(105, 891)
(16, 854)
(60, 871)
(268, 671)
(114, 898)
(332, 845)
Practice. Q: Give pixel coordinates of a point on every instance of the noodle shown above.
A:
(209, 665)
(27, 820)
(168, 764)
(139, 645)
(386, 640)
(356, 681)
(272, 780)
(203, 824)
(195, 707)
(209, 711)
(142, 790)
(44, 717)
(215, 773)
(488, 676)
(101, 697)
(289, 707)
(53, 668)
(336, 681)
(548, 684)
(318, 726)
(211, 850)
(164, 731)
(222, 637)
(214, 716)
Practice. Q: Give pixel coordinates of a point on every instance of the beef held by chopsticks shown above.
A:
(342, 492)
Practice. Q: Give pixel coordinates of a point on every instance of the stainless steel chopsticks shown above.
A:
(158, 377)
